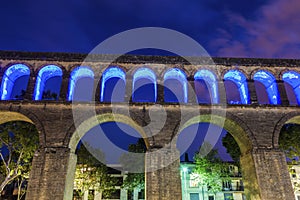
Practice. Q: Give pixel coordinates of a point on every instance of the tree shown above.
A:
(209, 169)
(289, 141)
(19, 140)
(134, 180)
(232, 148)
(92, 174)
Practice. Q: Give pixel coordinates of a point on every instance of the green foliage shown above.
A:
(19, 140)
(92, 174)
(209, 170)
(134, 180)
(232, 148)
(289, 140)
(84, 155)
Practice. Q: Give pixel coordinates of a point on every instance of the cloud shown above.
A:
(274, 32)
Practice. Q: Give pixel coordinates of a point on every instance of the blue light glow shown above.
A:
(144, 73)
(210, 80)
(44, 74)
(78, 73)
(112, 72)
(293, 79)
(179, 75)
(240, 80)
(268, 80)
(10, 76)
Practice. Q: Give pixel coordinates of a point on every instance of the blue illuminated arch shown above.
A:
(44, 75)
(11, 75)
(292, 78)
(269, 81)
(209, 79)
(239, 79)
(173, 92)
(117, 91)
(144, 87)
(77, 74)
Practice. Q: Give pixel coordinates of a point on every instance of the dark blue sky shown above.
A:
(257, 28)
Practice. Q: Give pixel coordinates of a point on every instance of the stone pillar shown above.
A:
(160, 91)
(222, 93)
(283, 96)
(63, 94)
(50, 173)
(96, 89)
(192, 97)
(30, 88)
(266, 175)
(163, 183)
(128, 89)
(252, 92)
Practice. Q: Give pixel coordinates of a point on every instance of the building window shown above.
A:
(116, 194)
(194, 196)
(141, 194)
(193, 183)
(91, 195)
(244, 197)
(211, 197)
(227, 185)
(293, 173)
(228, 196)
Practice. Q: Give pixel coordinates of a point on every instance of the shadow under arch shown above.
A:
(245, 140)
(9, 116)
(85, 126)
(239, 133)
(290, 118)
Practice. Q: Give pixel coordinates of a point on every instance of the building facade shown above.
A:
(116, 172)
(233, 189)
(295, 178)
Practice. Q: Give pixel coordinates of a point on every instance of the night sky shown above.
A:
(224, 28)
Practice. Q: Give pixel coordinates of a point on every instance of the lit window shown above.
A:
(193, 183)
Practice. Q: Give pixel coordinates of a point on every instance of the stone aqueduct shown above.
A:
(255, 127)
